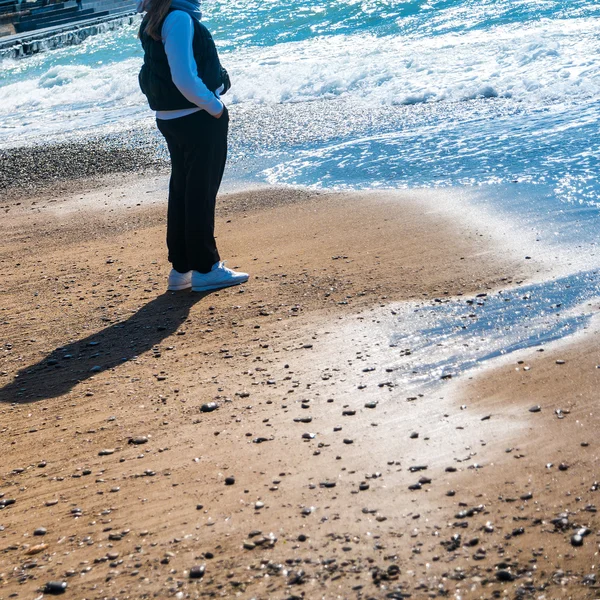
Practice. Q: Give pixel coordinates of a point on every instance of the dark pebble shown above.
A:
(138, 440)
(209, 407)
(577, 540)
(55, 587)
(229, 480)
(197, 572)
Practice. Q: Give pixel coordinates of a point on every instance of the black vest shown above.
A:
(155, 76)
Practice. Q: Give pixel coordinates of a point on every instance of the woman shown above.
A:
(182, 79)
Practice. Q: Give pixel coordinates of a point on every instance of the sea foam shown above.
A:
(539, 62)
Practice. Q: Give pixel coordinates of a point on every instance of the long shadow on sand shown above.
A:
(67, 366)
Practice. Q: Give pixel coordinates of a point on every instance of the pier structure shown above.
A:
(28, 27)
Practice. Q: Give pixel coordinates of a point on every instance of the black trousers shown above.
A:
(198, 148)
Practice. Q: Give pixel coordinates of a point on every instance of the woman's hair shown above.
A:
(157, 11)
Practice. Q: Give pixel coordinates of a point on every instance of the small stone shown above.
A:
(138, 440)
(259, 505)
(249, 546)
(363, 486)
(371, 405)
(414, 435)
(197, 572)
(106, 452)
(535, 409)
(577, 540)
(527, 496)
(503, 575)
(36, 549)
(209, 407)
(254, 533)
(303, 420)
(229, 480)
(348, 441)
(55, 587)
(40, 531)
(563, 467)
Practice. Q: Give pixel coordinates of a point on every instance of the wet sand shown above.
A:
(317, 474)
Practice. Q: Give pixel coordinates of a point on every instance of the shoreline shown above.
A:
(105, 416)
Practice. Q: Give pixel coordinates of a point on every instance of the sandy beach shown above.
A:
(254, 442)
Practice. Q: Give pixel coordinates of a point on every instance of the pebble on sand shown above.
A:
(197, 572)
(138, 440)
(55, 587)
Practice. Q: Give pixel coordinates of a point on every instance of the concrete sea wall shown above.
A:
(16, 46)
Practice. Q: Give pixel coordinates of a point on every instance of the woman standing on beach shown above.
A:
(182, 79)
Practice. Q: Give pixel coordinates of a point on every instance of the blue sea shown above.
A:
(496, 99)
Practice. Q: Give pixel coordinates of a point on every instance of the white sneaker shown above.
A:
(218, 277)
(179, 281)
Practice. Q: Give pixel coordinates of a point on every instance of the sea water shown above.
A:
(497, 97)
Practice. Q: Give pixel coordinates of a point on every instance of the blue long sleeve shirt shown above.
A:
(177, 36)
